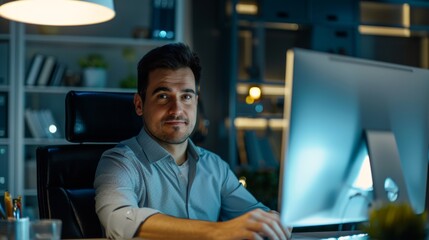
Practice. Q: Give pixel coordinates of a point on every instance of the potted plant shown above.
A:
(392, 221)
(130, 81)
(93, 70)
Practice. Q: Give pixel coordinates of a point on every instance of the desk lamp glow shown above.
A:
(58, 12)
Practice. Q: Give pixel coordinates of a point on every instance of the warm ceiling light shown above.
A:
(58, 12)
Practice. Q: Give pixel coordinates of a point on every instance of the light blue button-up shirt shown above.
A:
(139, 178)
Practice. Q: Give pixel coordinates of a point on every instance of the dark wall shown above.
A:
(209, 43)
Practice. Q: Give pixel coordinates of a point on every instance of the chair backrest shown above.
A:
(95, 121)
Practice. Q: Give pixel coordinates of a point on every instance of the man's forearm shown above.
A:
(160, 226)
(252, 225)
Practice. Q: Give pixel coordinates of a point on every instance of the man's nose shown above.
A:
(176, 107)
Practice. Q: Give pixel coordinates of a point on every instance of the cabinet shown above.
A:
(258, 43)
(259, 40)
(127, 32)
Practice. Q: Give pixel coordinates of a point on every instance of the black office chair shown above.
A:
(65, 173)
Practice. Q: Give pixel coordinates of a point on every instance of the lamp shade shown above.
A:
(58, 12)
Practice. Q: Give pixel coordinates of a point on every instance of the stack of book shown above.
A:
(45, 70)
(259, 152)
(41, 123)
(163, 19)
(4, 62)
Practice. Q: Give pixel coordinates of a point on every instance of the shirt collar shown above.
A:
(193, 151)
(154, 152)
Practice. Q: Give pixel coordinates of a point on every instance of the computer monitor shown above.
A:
(342, 109)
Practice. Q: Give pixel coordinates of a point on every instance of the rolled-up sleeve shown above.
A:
(133, 183)
(124, 222)
(118, 192)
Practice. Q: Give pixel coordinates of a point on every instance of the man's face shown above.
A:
(170, 107)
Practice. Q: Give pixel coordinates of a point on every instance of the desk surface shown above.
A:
(329, 235)
(301, 235)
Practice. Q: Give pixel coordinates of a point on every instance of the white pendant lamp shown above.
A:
(58, 12)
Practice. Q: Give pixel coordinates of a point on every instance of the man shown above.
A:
(159, 185)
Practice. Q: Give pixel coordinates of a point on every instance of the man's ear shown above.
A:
(138, 104)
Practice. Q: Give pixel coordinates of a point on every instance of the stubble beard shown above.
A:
(172, 138)
(168, 138)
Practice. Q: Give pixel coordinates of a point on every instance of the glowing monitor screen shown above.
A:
(334, 104)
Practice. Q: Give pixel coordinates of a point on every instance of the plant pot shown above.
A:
(94, 77)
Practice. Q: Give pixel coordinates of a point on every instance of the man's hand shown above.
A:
(256, 224)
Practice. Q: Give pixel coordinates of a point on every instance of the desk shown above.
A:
(299, 236)
(358, 235)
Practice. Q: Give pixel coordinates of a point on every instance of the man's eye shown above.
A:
(187, 97)
(162, 96)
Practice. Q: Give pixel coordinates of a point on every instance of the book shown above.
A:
(58, 75)
(241, 148)
(163, 19)
(259, 151)
(44, 122)
(41, 123)
(52, 120)
(253, 151)
(3, 115)
(4, 62)
(49, 125)
(33, 123)
(270, 161)
(34, 69)
(46, 71)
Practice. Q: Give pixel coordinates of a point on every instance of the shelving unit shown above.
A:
(6, 141)
(67, 45)
(259, 41)
(255, 41)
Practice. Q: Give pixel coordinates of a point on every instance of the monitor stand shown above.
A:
(388, 179)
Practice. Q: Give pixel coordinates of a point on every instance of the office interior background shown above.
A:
(242, 44)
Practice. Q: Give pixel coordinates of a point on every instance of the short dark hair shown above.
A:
(170, 56)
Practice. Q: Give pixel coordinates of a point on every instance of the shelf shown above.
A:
(270, 25)
(4, 37)
(268, 89)
(99, 41)
(45, 141)
(65, 90)
(243, 123)
(279, 82)
(68, 45)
